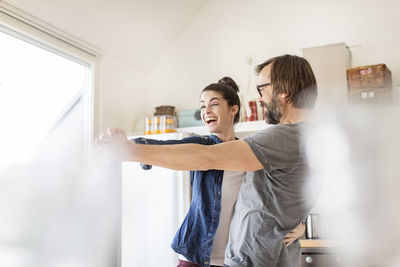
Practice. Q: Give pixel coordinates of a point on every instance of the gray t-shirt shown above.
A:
(271, 201)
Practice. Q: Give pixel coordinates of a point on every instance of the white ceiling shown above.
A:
(136, 32)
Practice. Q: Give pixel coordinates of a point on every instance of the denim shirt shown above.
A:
(195, 237)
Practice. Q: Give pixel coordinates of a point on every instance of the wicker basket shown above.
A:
(369, 84)
(165, 110)
(372, 76)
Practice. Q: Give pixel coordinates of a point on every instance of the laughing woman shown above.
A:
(203, 235)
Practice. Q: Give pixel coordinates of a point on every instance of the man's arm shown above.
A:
(233, 155)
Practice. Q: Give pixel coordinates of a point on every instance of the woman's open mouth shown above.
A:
(210, 122)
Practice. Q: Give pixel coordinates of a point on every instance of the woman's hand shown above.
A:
(114, 145)
(296, 233)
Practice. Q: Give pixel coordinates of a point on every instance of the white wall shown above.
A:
(226, 33)
(217, 41)
(122, 97)
(135, 31)
(131, 36)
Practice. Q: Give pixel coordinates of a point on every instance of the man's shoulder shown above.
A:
(275, 135)
(294, 128)
(275, 129)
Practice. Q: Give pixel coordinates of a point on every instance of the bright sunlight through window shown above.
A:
(37, 87)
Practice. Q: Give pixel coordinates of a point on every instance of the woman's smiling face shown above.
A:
(216, 114)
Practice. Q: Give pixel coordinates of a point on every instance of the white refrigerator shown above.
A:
(154, 203)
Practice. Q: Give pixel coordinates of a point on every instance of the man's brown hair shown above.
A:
(293, 76)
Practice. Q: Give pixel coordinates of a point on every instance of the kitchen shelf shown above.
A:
(242, 129)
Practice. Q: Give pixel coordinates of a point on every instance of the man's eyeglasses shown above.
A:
(260, 86)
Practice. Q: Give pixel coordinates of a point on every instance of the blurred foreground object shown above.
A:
(355, 153)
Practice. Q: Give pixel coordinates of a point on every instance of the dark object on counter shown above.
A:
(146, 166)
(316, 226)
(309, 228)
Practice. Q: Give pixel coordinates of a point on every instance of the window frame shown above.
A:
(32, 30)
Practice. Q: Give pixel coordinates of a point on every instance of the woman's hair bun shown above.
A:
(229, 81)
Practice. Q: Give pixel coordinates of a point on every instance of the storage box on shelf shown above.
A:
(369, 84)
(189, 118)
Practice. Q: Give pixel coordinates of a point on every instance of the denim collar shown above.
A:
(216, 140)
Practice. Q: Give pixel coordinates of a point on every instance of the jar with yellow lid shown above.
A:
(160, 124)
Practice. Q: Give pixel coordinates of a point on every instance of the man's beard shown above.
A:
(272, 111)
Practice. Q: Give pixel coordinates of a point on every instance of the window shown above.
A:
(46, 115)
(38, 89)
(43, 81)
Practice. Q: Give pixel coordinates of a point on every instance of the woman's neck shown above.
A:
(226, 136)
